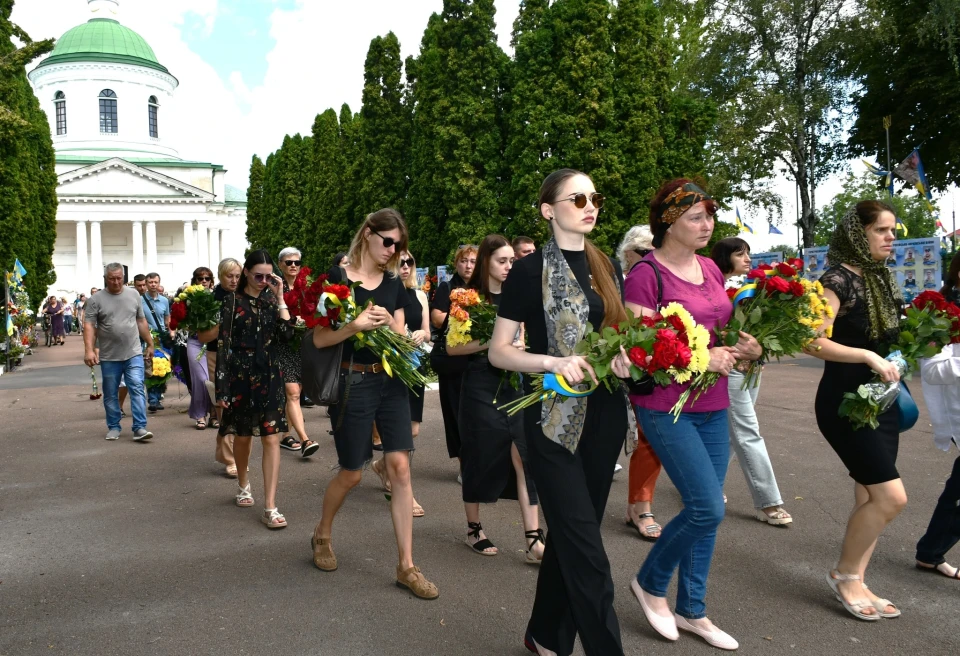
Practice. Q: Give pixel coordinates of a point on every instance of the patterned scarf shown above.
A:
(680, 200)
(849, 245)
(567, 312)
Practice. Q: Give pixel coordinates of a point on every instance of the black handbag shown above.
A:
(646, 385)
(320, 367)
(165, 340)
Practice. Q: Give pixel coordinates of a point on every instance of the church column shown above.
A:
(188, 245)
(83, 269)
(202, 252)
(214, 247)
(152, 245)
(138, 249)
(96, 254)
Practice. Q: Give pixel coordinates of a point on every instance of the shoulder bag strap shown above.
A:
(160, 324)
(656, 271)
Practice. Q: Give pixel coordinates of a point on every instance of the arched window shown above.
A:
(108, 112)
(152, 108)
(60, 103)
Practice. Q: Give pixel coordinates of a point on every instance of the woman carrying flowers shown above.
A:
(288, 355)
(493, 447)
(695, 448)
(249, 384)
(201, 405)
(573, 442)
(368, 394)
(866, 301)
(732, 257)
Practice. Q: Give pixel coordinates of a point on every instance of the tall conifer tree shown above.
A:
(255, 203)
(324, 211)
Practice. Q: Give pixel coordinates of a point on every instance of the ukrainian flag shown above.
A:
(743, 226)
(901, 226)
(18, 270)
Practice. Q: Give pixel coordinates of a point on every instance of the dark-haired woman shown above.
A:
(573, 443)
(201, 405)
(54, 309)
(369, 396)
(694, 449)
(493, 448)
(249, 384)
(866, 302)
(732, 257)
(951, 286)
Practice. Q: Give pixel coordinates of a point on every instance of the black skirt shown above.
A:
(486, 435)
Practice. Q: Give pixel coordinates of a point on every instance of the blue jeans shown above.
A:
(153, 395)
(694, 451)
(132, 372)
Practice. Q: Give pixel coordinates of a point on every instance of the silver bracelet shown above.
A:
(281, 307)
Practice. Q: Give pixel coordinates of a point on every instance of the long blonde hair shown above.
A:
(411, 281)
(380, 221)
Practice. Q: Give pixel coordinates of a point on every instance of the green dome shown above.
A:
(103, 40)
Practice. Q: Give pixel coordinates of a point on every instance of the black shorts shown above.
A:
(371, 398)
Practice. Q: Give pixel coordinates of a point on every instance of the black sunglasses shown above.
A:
(262, 277)
(642, 252)
(387, 241)
(580, 200)
(204, 279)
(292, 262)
(407, 262)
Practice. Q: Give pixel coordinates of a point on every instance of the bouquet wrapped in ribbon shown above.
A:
(331, 305)
(471, 317)
(931, 323)
(195, 309)
(294, 298)
(669, 347)
(781, 309)
(160, 369)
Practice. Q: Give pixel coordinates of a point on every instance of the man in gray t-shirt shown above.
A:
(114, 318)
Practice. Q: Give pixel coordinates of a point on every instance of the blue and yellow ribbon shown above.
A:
(749, 290)
(558, 385)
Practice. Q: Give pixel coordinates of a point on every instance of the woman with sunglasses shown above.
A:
(289, 358)
(493, 448)
(450, 369)
(573, 442)
(201, 404)
(249, 384)
(418, 329)
(644, 463)
(369, 396)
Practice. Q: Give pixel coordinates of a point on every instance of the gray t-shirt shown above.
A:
(115, 317)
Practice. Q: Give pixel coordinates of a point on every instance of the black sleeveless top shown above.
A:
(413, 313)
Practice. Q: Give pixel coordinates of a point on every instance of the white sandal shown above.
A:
(244, 496)
(881, 607)
(857, 607)
(273, 519)
(780, 517)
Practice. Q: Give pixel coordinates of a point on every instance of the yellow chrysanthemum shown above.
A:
(681, 376)
(675, 308)
(699, 337)
(699, 360)
(828, 310)
(161, 367)
(828, 331)
(459, 332)
(818, 287)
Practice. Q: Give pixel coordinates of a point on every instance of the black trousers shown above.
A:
(450, 409)
(575, 589)
(943, 533)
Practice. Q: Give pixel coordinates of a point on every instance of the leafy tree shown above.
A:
(28, 179)
(775, 69)
(323, 230)
(909, 206)
(905, 63)
(455, 88)
(255, 228)
(351, 146)
(385, 128)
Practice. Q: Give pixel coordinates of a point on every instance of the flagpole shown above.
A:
(6, 298)
(887, 122)
(799, 246)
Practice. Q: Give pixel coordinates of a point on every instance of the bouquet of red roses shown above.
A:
(294, 299)
(195, 309)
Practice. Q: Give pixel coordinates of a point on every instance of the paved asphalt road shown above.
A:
(126, 548)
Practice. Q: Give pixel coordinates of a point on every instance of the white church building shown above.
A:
(124, 193)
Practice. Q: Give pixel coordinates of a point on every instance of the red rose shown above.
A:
(684, 356)
(677, 324)
(765, 267)
(786, 270)
(665, 335)
(648, 322)
(178, 311)
(340, 291)
(778, 284)
(757, 274)
(930, 298)
(333, 314)
(664, 353)
(796, 263)
(731, 292)
(796, 288)
(291, 297)
(638, 356)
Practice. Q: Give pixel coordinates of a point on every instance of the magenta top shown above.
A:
(710, 307)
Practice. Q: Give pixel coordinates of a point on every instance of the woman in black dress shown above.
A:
(866, 302)
(249, 384)
(288, 355)
(450, 369)
(493, 448)
(573, 443)
(54, 308)
(368, 395)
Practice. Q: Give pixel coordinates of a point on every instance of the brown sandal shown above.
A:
(323, 556)
(413, 580)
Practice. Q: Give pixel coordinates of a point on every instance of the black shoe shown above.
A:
(159, 406)
(308, 448)
(289, 443)
(306, 403)
(152, 408)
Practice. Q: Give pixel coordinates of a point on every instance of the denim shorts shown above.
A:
(371, 398)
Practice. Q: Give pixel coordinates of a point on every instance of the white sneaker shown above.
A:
(113, 434)
(141, 434)
(460, 479)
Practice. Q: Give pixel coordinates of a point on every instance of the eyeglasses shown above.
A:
(642, 252)
(580, 200)
(387, 241)
(205, 279)
(292, 262)
(408, 262)
(262, 277)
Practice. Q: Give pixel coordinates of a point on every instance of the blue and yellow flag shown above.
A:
(743, 226)
(902, 227)
(911, 171)
(18, 270)
(880, 173)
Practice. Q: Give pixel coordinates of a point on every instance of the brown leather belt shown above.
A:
(362, 368)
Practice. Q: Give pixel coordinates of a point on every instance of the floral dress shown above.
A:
(248, 373)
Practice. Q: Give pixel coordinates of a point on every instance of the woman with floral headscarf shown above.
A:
(866, 302)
